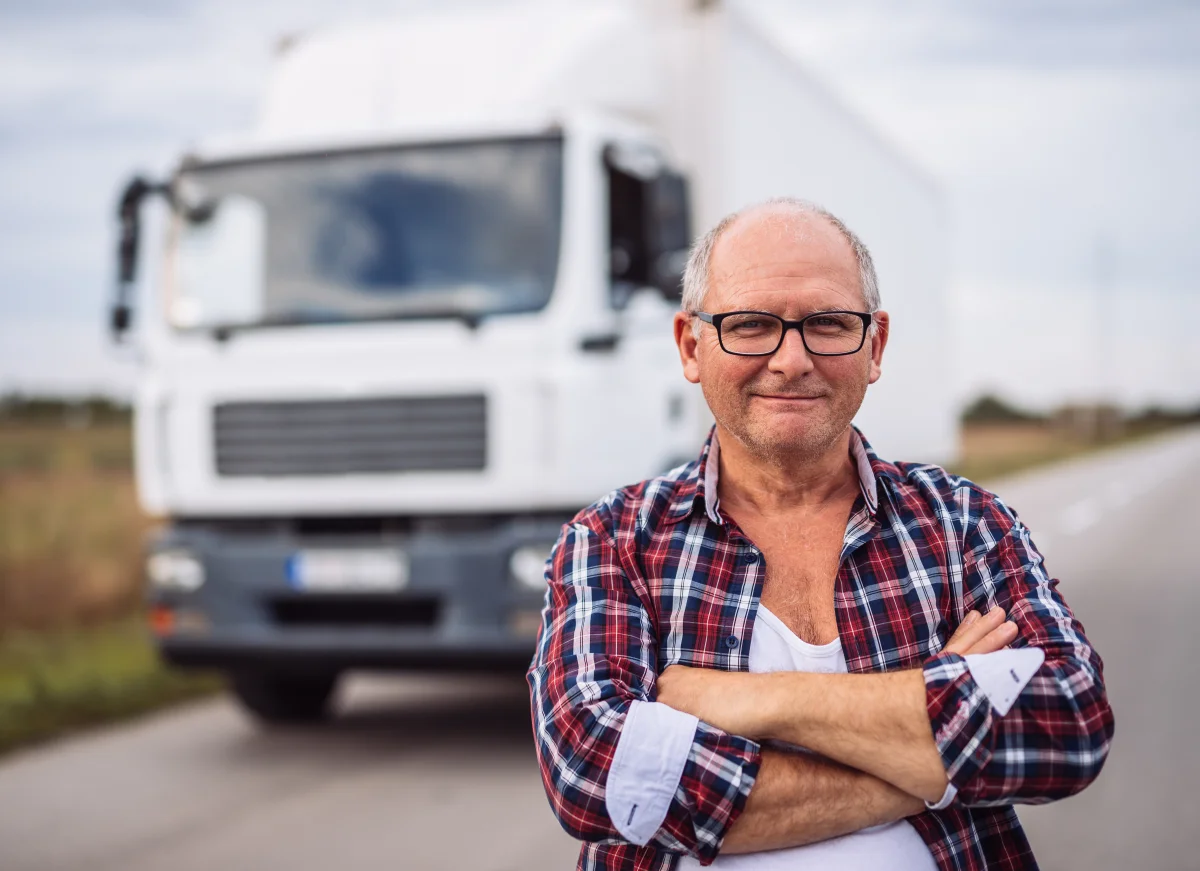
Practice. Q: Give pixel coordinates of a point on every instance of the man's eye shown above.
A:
(749, 327)
(827, 323)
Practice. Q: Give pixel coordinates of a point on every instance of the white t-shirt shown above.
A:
(894, 846)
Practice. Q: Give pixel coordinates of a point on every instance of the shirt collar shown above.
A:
(699, 484)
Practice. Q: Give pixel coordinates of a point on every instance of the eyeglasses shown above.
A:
(759, 334)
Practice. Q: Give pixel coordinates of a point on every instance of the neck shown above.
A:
(778, 484)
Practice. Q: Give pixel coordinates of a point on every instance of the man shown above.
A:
(688, 691)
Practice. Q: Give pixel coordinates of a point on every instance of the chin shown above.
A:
(787, 436)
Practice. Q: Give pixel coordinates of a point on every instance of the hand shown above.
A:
(984, 634)
(732, 701)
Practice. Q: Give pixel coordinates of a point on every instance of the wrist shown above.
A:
(910, 805)
(781, 709)
(888, 803)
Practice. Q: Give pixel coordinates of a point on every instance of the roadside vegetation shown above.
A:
(74, 650)
(998, 438)
(53, 682)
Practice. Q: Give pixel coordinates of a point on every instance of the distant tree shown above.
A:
(992, 409)
(62, 410)
(1157, 415)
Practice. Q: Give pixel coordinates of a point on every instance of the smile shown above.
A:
(787, 398)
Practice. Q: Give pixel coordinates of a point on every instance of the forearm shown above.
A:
(875, 723)
(800, 799)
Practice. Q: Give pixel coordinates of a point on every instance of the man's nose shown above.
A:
(791, 358)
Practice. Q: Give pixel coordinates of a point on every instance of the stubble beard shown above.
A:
(793, 445)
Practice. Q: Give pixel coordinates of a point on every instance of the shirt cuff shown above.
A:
(1003, 674)
(946, 800)
(647, 765)
(960, 716)
(963, 696)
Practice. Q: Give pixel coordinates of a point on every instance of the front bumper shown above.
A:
(460, 609)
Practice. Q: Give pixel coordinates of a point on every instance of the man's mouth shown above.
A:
(787, 396)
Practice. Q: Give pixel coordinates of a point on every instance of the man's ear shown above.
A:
(878, 340)
(686, 341)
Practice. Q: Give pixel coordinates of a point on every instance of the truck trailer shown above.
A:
(420, 314)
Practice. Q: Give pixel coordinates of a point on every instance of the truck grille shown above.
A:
(352, 436)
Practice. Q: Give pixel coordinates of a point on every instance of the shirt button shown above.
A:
(731, 642)
(750, 558)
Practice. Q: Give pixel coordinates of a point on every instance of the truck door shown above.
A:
(648, 237)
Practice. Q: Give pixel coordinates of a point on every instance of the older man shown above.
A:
(791, 653)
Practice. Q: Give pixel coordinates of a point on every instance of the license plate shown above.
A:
(366, 571)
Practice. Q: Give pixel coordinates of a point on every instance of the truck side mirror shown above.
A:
(129, 216)
(668, 231)
(120, 319)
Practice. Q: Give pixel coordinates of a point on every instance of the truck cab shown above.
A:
(382, 367)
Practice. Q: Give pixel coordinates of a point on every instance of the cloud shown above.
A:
(1044, 346)
(1051, 125)
(78, 360)
(1027, 34)
(1040, 151)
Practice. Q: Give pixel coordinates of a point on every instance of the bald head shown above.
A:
(784, 216)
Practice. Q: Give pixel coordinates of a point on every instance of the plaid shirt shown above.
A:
(653, 575)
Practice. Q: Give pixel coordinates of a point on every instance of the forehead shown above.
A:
(783, 260)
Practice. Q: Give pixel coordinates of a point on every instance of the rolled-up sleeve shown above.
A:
(679, 783)
(1052, 740)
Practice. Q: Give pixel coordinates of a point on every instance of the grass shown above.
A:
(70, 529)
(992, 451)
(73, 648)
(52, 683)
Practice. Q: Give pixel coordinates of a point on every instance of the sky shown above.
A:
(1062, 133)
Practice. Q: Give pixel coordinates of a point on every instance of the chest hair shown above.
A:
(803, 554)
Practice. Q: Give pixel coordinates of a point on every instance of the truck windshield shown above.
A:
(466, 229)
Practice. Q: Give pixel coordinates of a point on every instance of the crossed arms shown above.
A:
(876, 725)
(596, 673)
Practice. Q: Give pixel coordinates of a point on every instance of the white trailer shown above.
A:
(421, 314)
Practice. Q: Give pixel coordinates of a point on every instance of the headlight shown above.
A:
(175, 570)
(528, 566)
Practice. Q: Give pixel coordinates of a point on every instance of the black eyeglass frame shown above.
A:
(716, 319)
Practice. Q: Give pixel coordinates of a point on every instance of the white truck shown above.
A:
(420, 314)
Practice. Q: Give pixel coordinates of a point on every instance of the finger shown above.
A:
(997, 639)
(978, 630)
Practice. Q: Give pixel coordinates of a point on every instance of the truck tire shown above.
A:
(281, 699)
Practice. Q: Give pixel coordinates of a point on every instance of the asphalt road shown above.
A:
(435, 773)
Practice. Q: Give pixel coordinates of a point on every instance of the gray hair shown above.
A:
(699, 265)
